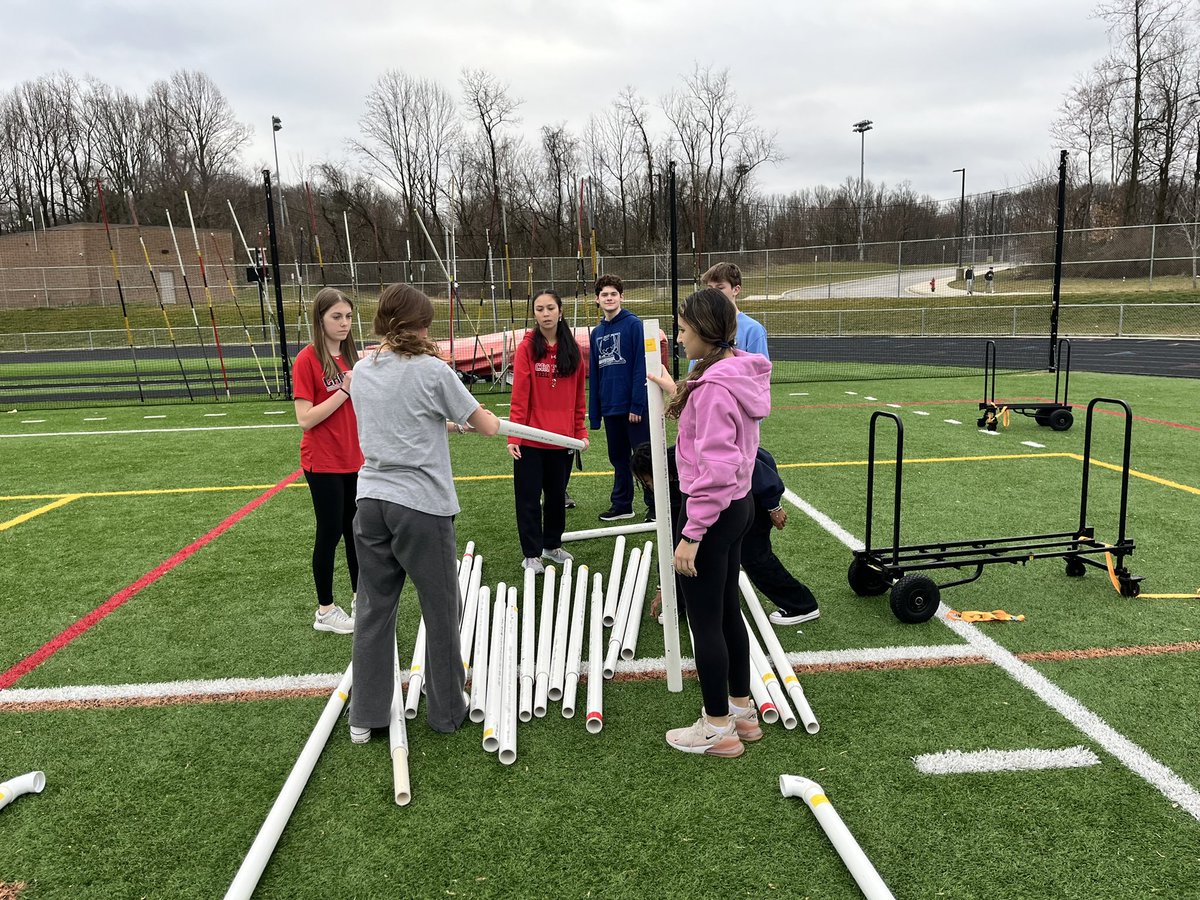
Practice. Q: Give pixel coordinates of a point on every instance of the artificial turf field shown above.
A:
(163, 799)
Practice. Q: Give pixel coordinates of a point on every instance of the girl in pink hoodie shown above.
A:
(719, 407)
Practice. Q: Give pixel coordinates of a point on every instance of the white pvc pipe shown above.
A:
(398, 739)
(528, 647)
(416, 674)
(587, 534)
(562, 626)
(864, 874)
(29, 783)
(479, 666)
(790, 682)
(495, 679)
(575, 643)
(762, 697)
(541, 679)
(622, 618)
(464, 568)
(260, 851)
(594, 720)
(664, 533)
(508, 691)
(636, 604)
(514, 429)
(470, 612)
(786, 714)
(614, 581)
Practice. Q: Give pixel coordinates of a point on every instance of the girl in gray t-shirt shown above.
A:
(407, 400)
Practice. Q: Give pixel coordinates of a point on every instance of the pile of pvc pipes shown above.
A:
(521, 656)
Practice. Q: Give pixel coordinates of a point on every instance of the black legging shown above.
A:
(541, 472)
(714, 608)
(333, 496)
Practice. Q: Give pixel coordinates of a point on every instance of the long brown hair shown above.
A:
(402, 312)
(568, 356)
(326, 299)
(713, 319)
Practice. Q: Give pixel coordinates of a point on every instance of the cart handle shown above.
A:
(1087, 461)
(875, 416)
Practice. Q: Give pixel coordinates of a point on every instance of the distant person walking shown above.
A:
(990, 277)
(970, 280)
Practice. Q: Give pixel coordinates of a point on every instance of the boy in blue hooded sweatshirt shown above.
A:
(617, 395)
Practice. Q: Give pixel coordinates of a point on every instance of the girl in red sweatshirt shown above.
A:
(547, 393)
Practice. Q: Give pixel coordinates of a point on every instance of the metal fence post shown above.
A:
(1153, 236)
(899, 267)
(768, 267)
(1121, 320)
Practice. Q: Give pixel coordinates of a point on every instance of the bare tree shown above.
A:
(721, 147)
(490, 104)
(203, 124)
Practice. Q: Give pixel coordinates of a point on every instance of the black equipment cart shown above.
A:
(915, 596)
(1057, 414)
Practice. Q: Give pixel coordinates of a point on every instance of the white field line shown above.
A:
(920, 412)
(217, 687)
(952, 421)
(1033, 444)
(870, 398)
(276, 412)
(954, 762)
(146, 430)
(801, 394)
(1126, 751)
(96, 419)
(214, 415)
(895, 406)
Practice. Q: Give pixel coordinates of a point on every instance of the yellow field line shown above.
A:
(931, 459)
(802, 465)
(61, 501)
(1136, 474)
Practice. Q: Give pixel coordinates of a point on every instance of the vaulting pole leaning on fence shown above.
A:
(112, 253)
(195, 319)
(252, 261)
(212, 316)
(241, 316)
(158, 294)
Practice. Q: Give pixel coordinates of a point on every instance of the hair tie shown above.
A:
(726, 345)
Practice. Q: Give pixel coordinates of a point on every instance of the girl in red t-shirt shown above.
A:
(329, 452)
(547, 393)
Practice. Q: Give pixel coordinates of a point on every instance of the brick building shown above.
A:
(70, 265)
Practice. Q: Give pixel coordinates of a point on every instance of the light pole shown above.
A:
(962, 209)
(33, 225)
(861, 129)
(276, 125)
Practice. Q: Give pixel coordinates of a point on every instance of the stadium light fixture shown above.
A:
(861, 128)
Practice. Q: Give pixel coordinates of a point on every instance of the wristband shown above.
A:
(343, 390)
(688, 540)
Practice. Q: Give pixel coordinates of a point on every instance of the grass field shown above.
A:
(163, 799)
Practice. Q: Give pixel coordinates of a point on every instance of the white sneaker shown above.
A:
(532, 562)
(335, 620)
(557, 555)
(779, 617)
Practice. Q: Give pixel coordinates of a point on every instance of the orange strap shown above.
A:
(974, 615)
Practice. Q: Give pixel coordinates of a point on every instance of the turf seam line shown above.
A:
(84, 624)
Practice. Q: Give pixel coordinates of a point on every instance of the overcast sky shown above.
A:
(948, 83)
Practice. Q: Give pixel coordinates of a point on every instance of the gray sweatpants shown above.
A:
(394, 542)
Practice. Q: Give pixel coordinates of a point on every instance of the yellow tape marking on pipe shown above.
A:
(818, 799)
(790, 679)
(343, 696)
(651, 345)
(489, 732)
(34, 513)
(768, 677)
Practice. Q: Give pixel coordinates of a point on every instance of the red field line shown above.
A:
(83, 625)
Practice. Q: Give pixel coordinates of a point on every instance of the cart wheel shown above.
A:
(915, 599)
(1060, 419)
(1075, 567)
(865, 580)
(981, 421)
(1041, 418)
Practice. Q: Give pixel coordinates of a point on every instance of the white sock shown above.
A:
(739, 709)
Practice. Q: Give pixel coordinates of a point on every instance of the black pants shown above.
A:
(333, 496)
(622, 436)
(767, 573)
(714, 608)
(541, 473)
